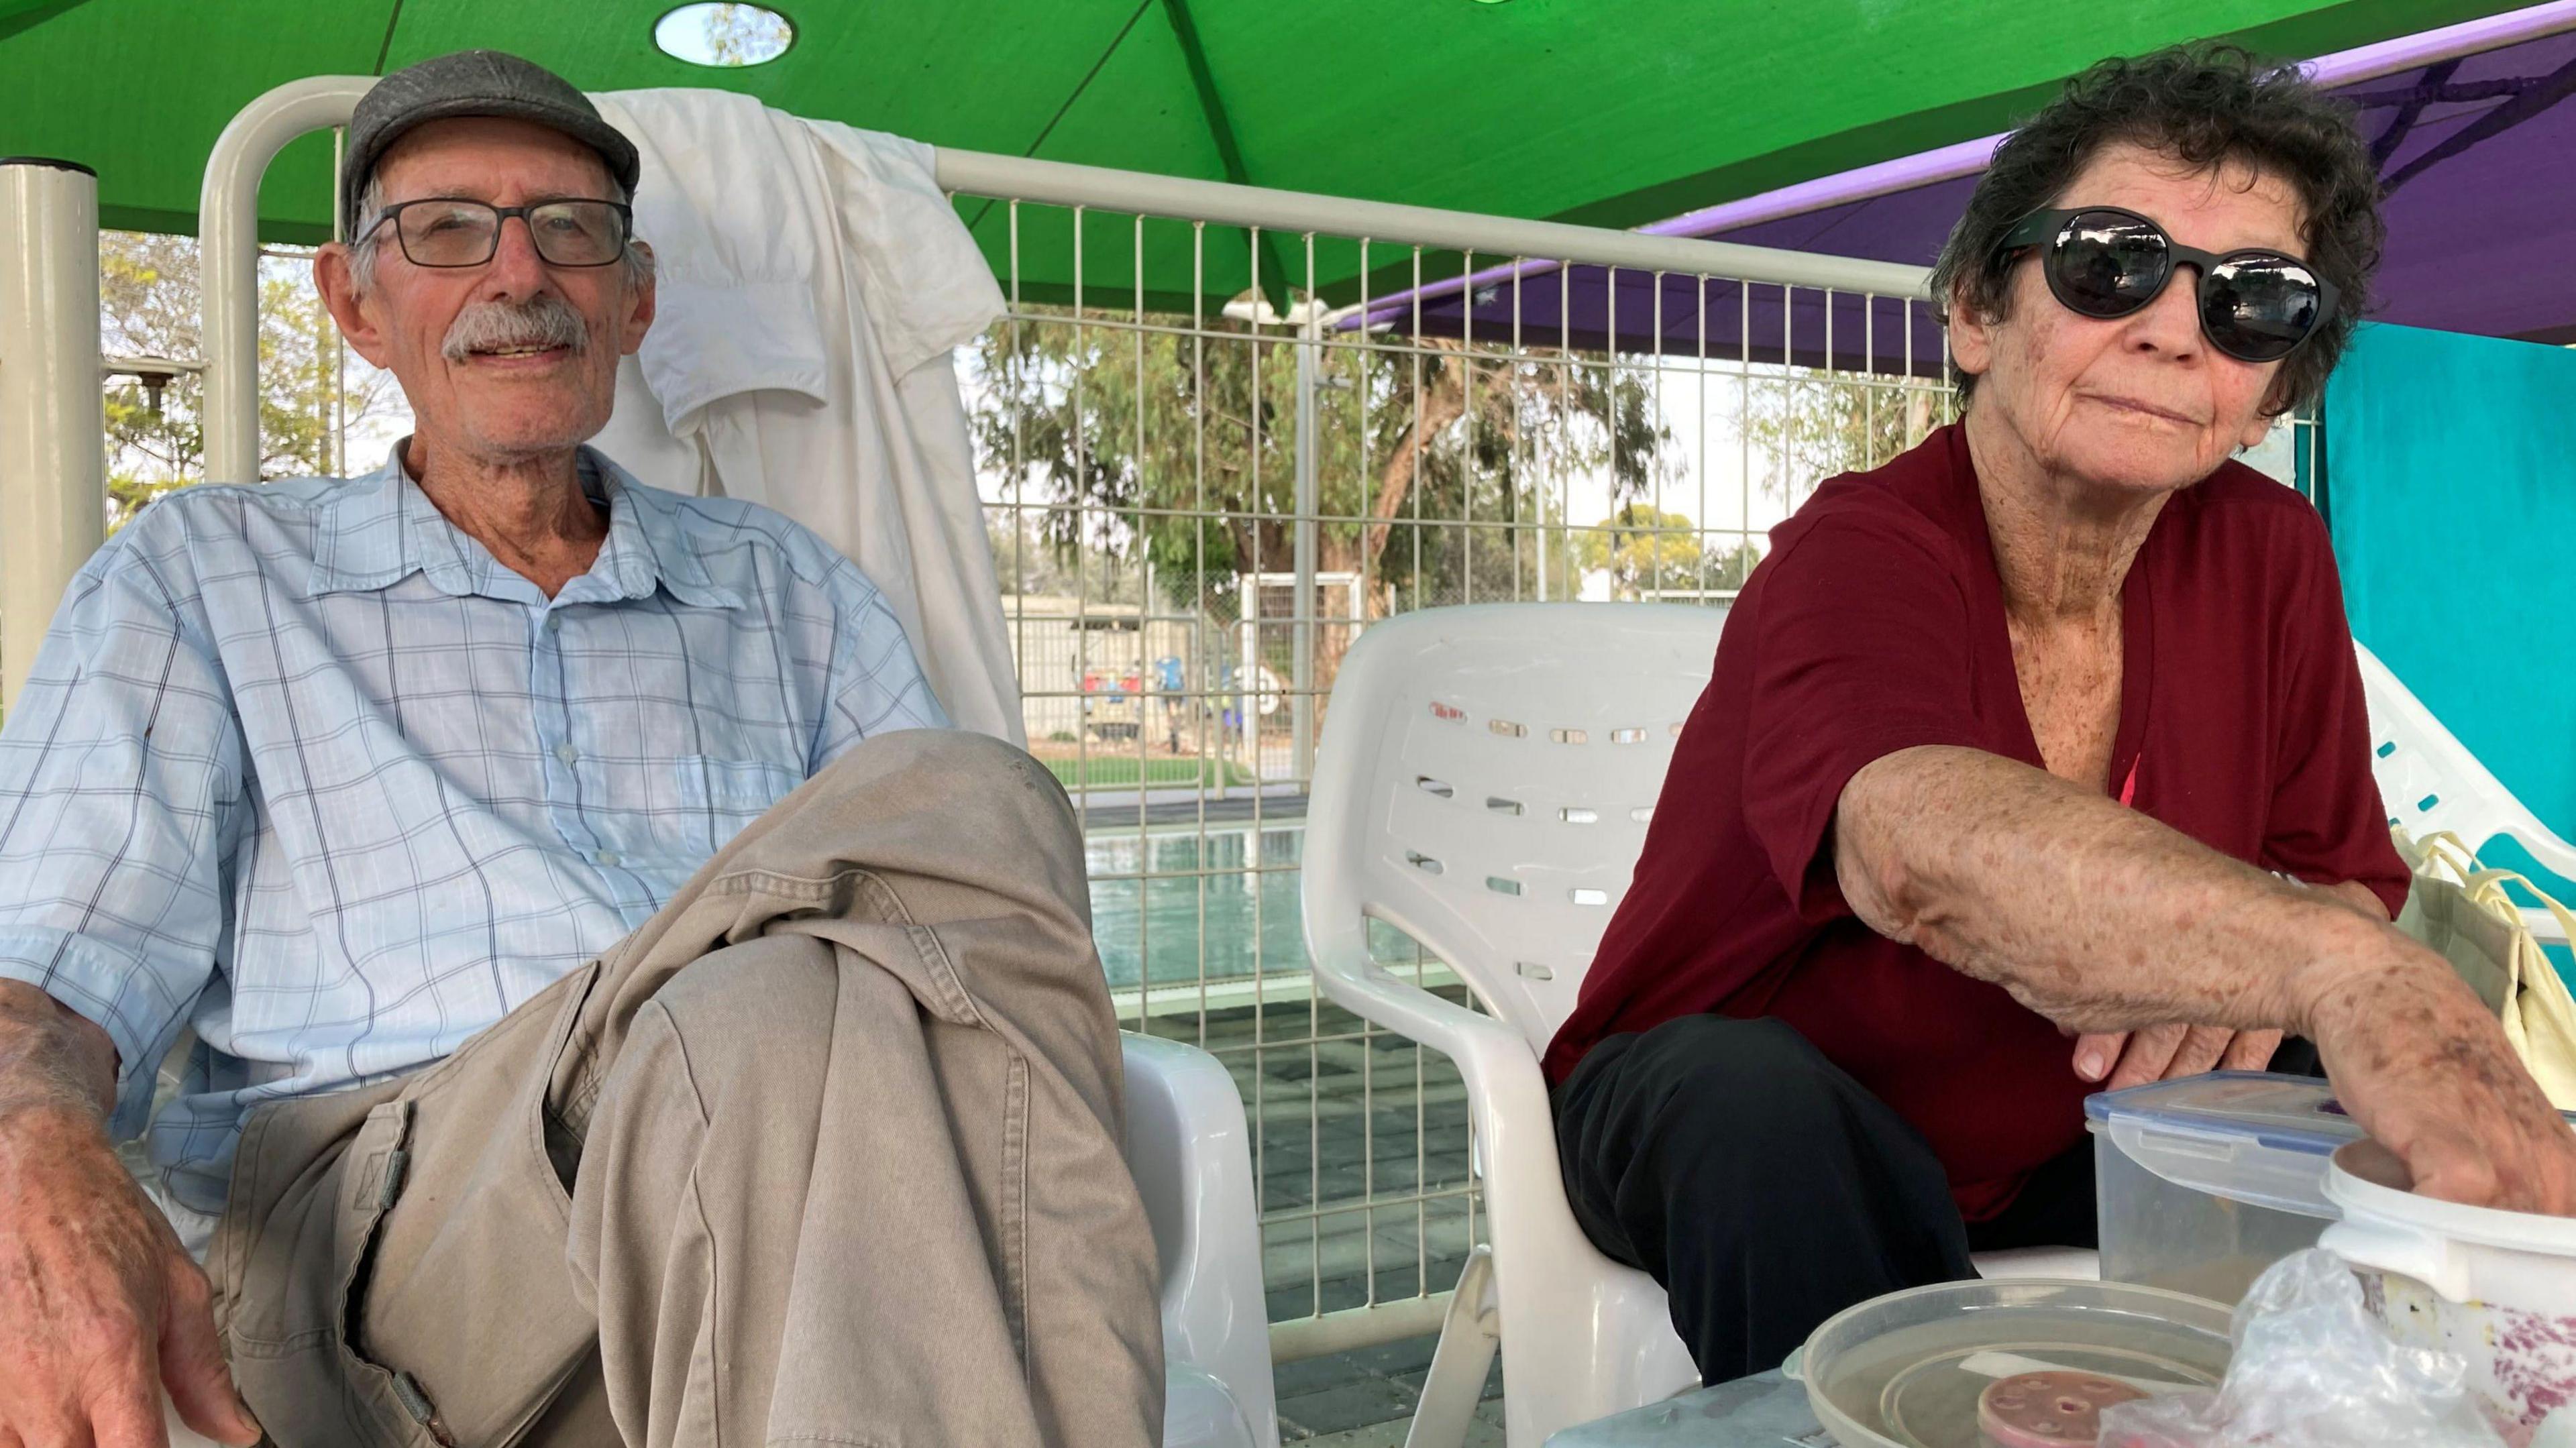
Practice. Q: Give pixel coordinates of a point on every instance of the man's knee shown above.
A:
(958, 768)
(764, 1006)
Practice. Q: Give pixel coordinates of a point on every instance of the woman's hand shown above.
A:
(2421, 1064)
(2121, 1059)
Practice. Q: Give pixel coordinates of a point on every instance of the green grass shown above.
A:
(1110, 771)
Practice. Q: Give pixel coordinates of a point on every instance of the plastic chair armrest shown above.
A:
(1189, 1149)
(1507, 1096)
(1483, 1047)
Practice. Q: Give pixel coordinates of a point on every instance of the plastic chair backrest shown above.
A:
(1491, 770)
(2429, 782)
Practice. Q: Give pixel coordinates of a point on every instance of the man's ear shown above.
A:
(337, 281)
(639, 312)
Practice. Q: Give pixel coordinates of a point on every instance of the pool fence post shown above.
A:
(53, 447)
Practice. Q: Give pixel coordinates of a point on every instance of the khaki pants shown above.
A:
(826, 1153)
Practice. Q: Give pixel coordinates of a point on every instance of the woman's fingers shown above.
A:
(2251, 1051)
(2162, 1053)
(2095, 1054)
(2201, 1050)
(2150, 1052)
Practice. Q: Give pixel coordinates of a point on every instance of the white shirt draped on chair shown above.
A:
(813, 282)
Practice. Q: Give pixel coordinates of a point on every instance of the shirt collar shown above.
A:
(382, 528)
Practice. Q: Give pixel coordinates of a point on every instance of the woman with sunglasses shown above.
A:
(2034, 763)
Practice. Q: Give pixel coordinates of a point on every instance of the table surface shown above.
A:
(1762, 1411)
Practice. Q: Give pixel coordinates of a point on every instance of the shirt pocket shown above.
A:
(731, 793)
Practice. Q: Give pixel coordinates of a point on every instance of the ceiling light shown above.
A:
(726, 36)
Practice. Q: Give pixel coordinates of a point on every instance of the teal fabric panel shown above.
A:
(2451, 494)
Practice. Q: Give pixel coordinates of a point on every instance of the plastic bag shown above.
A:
(2313, 1369)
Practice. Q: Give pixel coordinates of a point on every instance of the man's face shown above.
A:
(514, 358)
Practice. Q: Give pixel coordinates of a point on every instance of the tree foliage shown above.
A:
(1437, 467)
(1806, 425)
(149, 305)
(1649, 554)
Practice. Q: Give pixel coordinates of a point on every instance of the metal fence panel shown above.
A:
(1195, 512)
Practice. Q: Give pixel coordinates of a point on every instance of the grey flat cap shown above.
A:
(472, 83)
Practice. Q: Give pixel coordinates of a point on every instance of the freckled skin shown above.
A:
(2180, 959)
(75, 1232)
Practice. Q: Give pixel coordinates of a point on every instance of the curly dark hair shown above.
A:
(2206, 105)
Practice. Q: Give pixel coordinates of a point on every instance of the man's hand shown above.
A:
(100, 1308)
(2121, 1059)
(104, 1305)
(2419, 1062)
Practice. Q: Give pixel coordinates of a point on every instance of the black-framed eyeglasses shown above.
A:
(449, 231)
(2256, 304)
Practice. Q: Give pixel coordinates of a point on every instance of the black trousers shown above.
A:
(1767, 1190)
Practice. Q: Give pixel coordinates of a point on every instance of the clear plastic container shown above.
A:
(1906, 1370)
(2204, 1182)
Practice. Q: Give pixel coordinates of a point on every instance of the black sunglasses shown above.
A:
(2256, 305)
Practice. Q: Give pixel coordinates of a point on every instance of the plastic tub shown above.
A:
(2203, 1182)
(2496, 1288)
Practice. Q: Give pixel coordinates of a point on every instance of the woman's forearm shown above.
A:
(2091, 913)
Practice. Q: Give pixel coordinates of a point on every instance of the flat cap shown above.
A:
(472, 83)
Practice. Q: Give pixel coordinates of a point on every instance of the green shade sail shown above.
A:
(1612, 112)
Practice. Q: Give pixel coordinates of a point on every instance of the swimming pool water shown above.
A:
(1225, 894)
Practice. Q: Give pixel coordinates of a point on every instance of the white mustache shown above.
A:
(541, 321)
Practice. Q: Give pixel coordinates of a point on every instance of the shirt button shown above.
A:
(608, 857)
(564, 752)
(554, 623)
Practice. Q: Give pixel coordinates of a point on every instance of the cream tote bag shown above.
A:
(2462, 910)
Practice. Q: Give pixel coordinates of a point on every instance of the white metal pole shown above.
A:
(1247, 679)
(1304, 545)
(228, 256)
(1062, 183)
(53, 449)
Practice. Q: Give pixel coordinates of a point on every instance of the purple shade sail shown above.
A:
(2480, 151)
(1688, 316)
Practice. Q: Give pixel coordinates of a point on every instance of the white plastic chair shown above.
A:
(1483, 784)
(1192, 1158)
(2429, 782)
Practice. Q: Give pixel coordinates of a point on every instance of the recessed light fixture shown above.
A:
(726, 36)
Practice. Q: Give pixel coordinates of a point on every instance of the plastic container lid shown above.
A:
(2248, 1136)
(1906, 1370)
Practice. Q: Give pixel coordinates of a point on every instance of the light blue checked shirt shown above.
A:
(303, 766)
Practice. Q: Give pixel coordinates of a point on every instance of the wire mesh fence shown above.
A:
(1198, 501)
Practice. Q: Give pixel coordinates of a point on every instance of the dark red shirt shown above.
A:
(1877, 624)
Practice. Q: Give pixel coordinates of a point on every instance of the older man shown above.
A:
(569, 1068)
